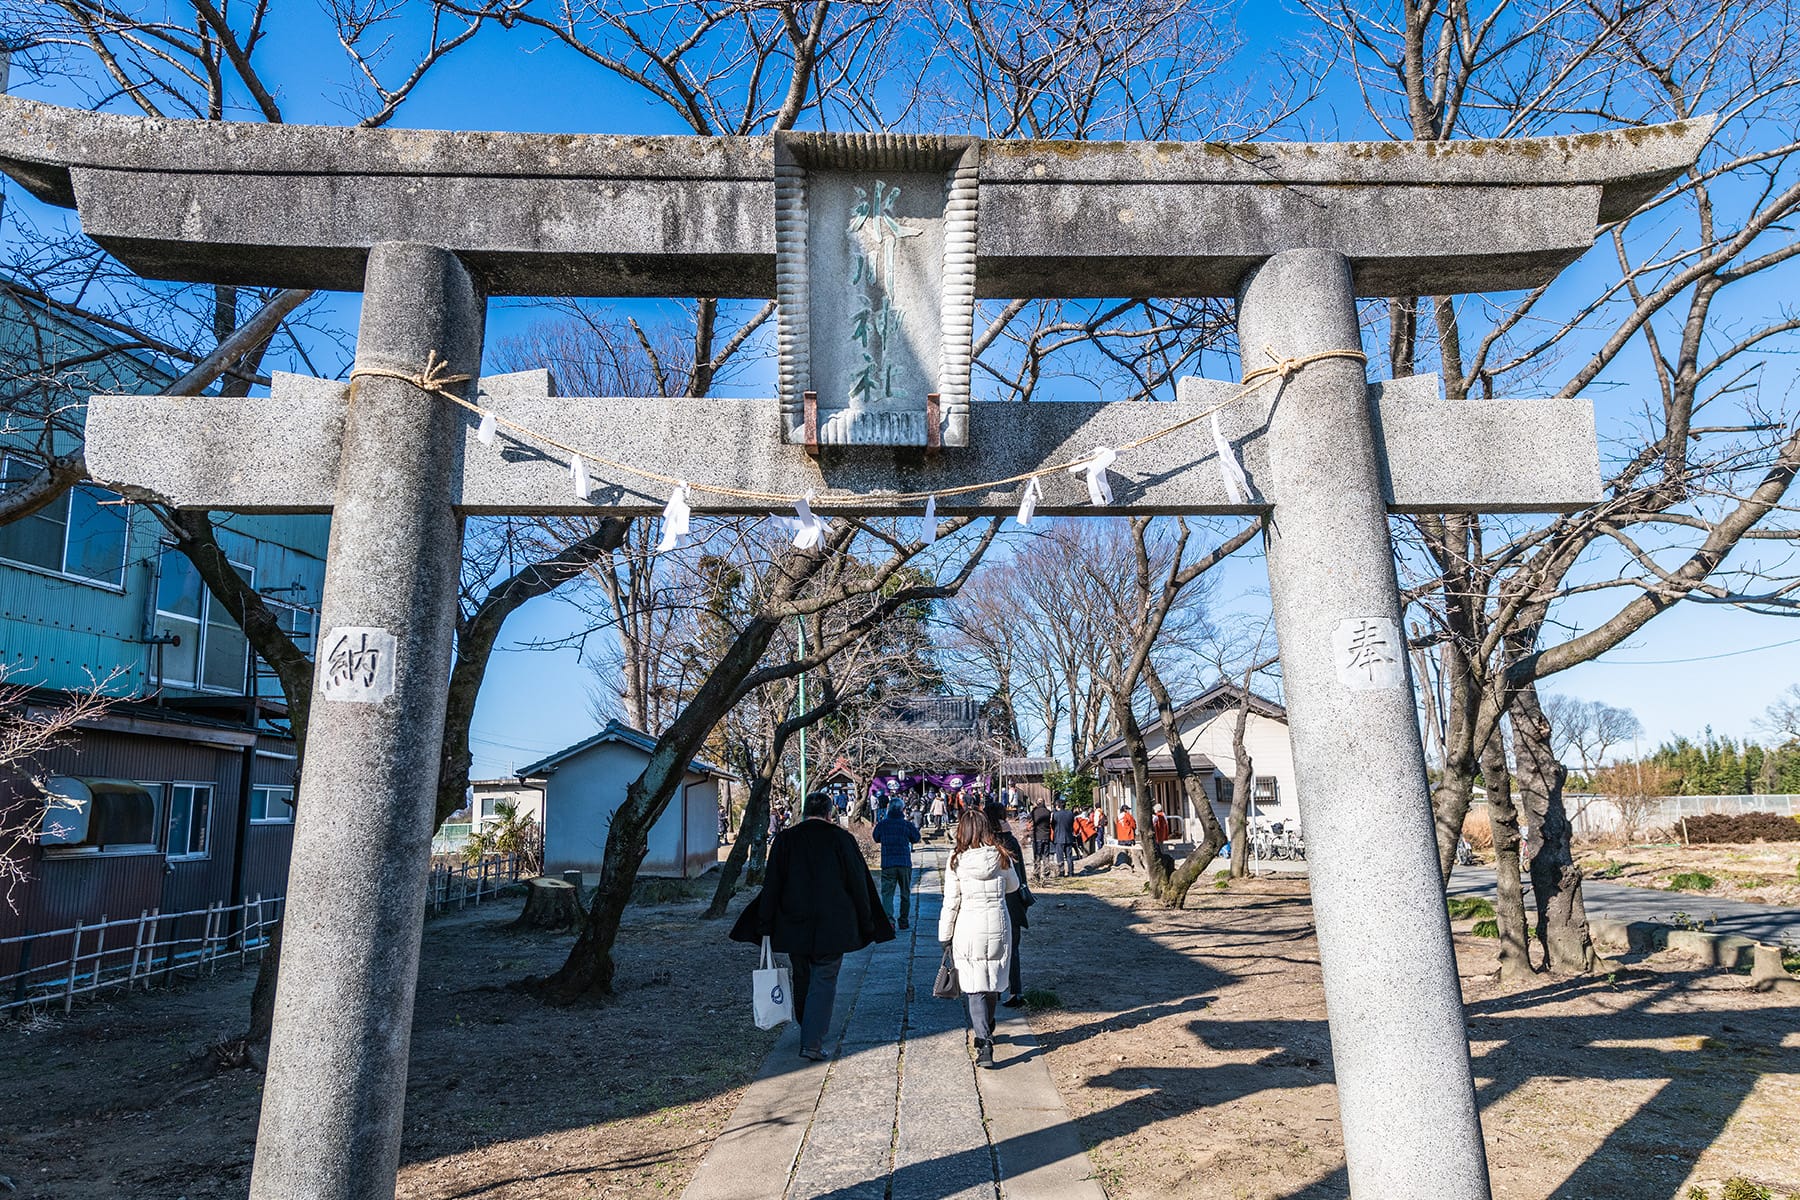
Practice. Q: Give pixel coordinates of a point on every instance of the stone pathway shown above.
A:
(1624, 902)
(900, 1113)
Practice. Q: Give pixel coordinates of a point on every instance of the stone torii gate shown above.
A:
(876, 248)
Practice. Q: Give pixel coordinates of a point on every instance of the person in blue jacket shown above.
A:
(896, 836)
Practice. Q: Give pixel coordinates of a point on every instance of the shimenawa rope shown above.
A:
(437, 380)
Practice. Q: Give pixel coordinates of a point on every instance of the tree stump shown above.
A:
(1768, 973)
(550, 904)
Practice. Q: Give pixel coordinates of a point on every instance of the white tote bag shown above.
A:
(773, 991)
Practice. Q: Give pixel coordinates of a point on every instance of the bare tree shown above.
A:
(29, 808)
(846, 702)
(1161, 577)
(796, 583)
(1588, 729)
(1237, 652)
(1699, 475)
(1782, 718)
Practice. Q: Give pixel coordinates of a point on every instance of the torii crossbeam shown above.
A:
(875, 248)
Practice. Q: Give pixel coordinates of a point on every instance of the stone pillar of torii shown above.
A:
(876, 249)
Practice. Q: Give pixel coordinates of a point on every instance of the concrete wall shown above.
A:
(530, 801)
(584, 791)
(1271, 752)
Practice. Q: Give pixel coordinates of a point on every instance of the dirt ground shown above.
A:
(506, 1098)
(1192, 1049)
(1758, 872)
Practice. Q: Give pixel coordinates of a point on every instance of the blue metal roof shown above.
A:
(617, 731)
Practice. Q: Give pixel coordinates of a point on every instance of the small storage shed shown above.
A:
(585, 784)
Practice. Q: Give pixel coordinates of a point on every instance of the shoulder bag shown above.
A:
(947, 987)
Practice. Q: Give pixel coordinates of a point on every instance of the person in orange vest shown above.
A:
(1125, 829)
(1159, 826)
(1125, 834)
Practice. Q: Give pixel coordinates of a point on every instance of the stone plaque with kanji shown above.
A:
(875, 269)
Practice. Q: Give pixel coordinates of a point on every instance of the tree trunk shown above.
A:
(1156, 876)
(1555, 876)
(1509, 902)
(262, 996)
(1175, 889)
(1451, 797)
(753, 830)
(1455, 789)
(550, 904)
(1243, 778)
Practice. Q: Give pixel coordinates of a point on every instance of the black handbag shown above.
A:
(947, 987)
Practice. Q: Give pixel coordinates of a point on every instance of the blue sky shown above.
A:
(1693, 667)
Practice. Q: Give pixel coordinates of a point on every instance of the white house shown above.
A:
(527, 795)
(1206, 726)
(585, 784)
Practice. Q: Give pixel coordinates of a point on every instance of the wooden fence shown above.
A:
(130, 952)
(454, 886)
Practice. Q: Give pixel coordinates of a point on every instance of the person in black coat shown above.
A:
(818, 903)
(1016, 901)
(1062, 827)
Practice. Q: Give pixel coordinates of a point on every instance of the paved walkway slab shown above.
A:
(900, 1112)
(1625, 902)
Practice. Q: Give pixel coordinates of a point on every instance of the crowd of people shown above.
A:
(820, 902)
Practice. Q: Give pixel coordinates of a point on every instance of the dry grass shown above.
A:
(1757, 872)
(1479, 832)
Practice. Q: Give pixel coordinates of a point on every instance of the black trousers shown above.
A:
(815, 991)
(981, 1014)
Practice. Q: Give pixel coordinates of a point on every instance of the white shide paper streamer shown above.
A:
(1237, 484)
(675, 520)
(1028, 505)
(1099, 487)
(809, 528)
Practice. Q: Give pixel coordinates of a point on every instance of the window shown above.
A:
(297, 623)
(190, 816)
(271, 805)
(100, 816)
(1265, 792)
(213, 654)
(81, 534)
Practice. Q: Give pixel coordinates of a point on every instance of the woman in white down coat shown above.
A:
(974, 922)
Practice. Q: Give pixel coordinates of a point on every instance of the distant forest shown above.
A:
(1709, 765)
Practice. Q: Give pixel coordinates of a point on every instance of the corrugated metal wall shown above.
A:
(64, 889)
(267, 848)
(55, 633)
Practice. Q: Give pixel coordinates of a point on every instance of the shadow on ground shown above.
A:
(1191, 1048)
